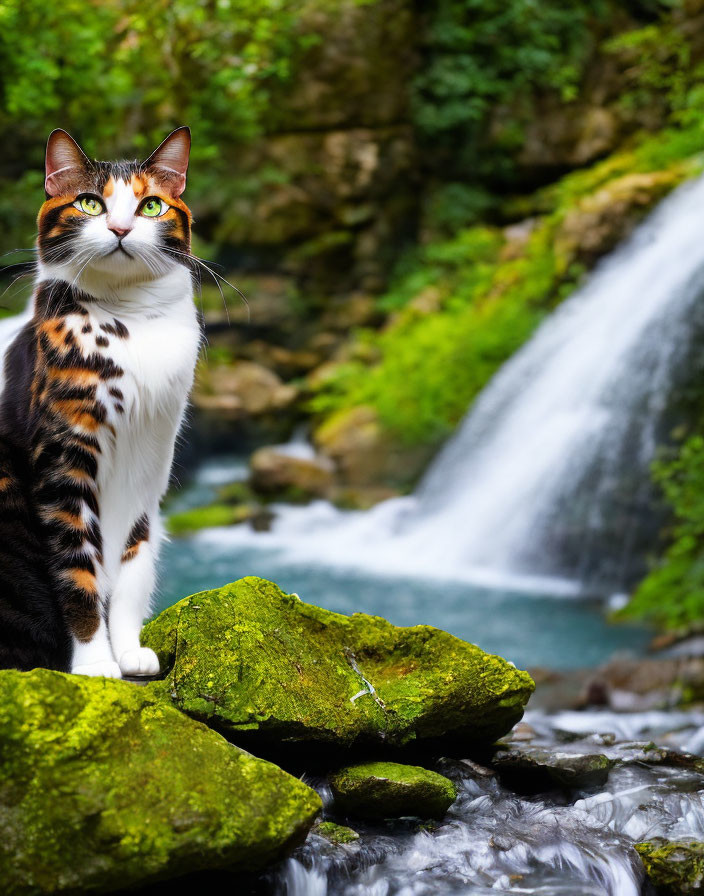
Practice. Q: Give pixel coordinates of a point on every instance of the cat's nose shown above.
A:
(119, 232)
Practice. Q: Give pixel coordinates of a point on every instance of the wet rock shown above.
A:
(674, 867)
(276, 473)
(104, 786)
(266, 668)
(337, 834)
(651, 754)
(391, 790)
(356, 442)
(363, 451)
(606, 217)
(242, 389)
(624, 685)
(532, 769)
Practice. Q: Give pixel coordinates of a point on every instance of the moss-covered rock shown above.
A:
(391, 790)
(674, 867)
(103, 786)
(188, 521)
(337, 834)
(263, 666)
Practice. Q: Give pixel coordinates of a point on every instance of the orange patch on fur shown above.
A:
(140, 185)
(109, 187)
(77, 473)
(76, 412)
(5, 483)
(55, 203)
(55, 333)
(71, 519)
(75, 375)
(132, 550)
(83, 579)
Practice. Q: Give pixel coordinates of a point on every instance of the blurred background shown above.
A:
(407, 193)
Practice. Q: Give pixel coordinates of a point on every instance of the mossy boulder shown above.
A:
(103, 786)
(337, 834)
(674, 867)
(265, 667)
(391, 790)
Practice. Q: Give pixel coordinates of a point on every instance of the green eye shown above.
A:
(154, 207)
(90, 206)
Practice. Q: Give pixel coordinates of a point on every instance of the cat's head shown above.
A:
(120, 221)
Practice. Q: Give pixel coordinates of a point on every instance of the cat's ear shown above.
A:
(65, 161)
(170, 159)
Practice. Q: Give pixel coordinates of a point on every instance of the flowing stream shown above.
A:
(494, 841)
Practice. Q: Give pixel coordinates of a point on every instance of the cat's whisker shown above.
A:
(214, 274)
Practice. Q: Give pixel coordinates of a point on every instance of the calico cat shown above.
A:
(96, 385)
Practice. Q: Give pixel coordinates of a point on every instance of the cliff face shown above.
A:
(350, 166)
(332, 187)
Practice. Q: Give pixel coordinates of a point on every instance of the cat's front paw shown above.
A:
(141, 661)
(106, 668)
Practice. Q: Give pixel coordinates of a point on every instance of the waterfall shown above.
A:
(543, 485)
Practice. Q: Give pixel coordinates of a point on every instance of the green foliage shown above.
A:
(120, 74)
(456, 205)
(482, 53)
(672, 594)
(435, 363)
(658, 64)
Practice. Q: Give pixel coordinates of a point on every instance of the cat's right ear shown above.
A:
(65, 160)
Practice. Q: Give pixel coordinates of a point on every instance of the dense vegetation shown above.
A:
(672, 595)
(119, 75)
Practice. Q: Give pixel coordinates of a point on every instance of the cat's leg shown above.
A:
(75, 544)
(129, 603)
(94, 657)
(84, 606)
(66, 498)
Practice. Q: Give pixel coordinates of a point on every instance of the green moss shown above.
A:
(675, 868)
(189, 521)
(259, 663)
(104, 785)
(335, 833)
(391, 790)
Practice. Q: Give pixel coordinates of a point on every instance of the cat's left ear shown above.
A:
(170, 159)
(66, 163)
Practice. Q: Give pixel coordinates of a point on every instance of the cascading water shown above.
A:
(494, 841)
(542, 485)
